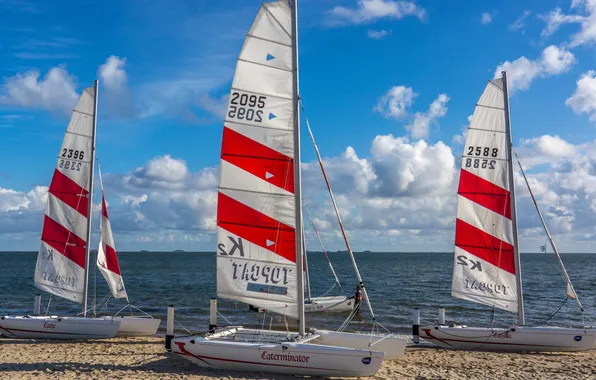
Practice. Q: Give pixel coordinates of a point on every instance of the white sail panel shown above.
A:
(256, 215)
(484, 261)
(61, 259)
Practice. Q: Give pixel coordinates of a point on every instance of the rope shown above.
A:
(553, 314)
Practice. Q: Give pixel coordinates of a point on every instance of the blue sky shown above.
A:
(388, 87)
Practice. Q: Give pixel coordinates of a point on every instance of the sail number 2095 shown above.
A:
(246, 107)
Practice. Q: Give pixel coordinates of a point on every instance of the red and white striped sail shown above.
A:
(60, 268)
(107, 259)
(256, 235)
(484, 267)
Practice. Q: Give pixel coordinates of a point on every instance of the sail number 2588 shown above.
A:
(246, 107)
(482, 152)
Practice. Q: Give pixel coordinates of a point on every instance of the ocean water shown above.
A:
(397, 282)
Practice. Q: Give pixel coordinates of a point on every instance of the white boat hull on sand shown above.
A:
(135, 325)
(53, 327)
(329, 304)
(514, 339)
(220, 351)
(392, 345)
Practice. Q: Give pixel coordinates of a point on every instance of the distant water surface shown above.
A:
(397, 282)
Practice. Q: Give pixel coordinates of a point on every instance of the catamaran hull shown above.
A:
(514, 339)
(329, 304)
(287, 358)
(135, 325)
(62, 328)
(392, 345)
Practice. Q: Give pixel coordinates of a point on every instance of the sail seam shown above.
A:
(264, 65)
(265, 39)
(78, 134)
(265, 6)
(252, 259)
(497, 87)
(491, 107)
(485, 130)
(255, 157)
(277, 228)
(256, 126)
(255, 191)
(82, 113)
(484, 157)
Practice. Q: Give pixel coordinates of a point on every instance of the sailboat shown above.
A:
(63, 258)
(487, 261)
(107, 263)
(259, 216)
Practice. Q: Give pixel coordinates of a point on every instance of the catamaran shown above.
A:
(259, 216)
(62, 267)
(63, 258)
(487, 261)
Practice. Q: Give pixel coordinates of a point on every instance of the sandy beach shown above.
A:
(145, 358)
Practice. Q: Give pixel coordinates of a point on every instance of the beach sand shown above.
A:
(145, 358)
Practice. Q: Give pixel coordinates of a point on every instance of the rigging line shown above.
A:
(322, 247)
(341, 225)
(552, 243)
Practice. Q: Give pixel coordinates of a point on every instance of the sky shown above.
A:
(388, 87)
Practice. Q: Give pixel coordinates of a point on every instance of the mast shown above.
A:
(509, 145)
(297, 176)
(552, 242)
(89, 213)
(341, 225)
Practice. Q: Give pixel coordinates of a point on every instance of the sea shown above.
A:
(396, 282)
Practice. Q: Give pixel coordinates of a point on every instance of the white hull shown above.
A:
(271, 354)
(514, 339)
(329, 304)
(53, 327)
(135, 325)
(392, 345)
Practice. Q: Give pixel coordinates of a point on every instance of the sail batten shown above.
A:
(256, 224)
(484, 263)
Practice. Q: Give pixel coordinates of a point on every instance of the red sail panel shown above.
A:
(258, 159)
(485, 193)
(63, 241)
(256, 227)
(69, 192)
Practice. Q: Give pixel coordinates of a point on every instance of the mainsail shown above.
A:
(107, 259)
(61, 262)
(256, 214)
(485, 269)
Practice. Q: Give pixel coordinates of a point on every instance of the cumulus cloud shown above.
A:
(522, 72)
(395, 102)
(378, 34)
(423, 120)
(586, 18)
(583, 99)
(113, 76)
(367, 11)
(54, 92)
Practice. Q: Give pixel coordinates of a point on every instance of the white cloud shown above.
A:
(583, 99)
(522, 71)
(395, 102)
(520, 23)
(55, 92)
(370, 10)
(378, 34)
(486, 18)
(422, 121)
(586, 18)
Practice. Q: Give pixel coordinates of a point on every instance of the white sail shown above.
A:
(256, 232)
(484, 269)
(60, 268)
(107, 259)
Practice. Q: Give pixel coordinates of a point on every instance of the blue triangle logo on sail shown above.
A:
(269, 243)
(271, 116)
(270, 57)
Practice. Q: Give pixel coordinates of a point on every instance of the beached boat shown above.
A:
(107, 263)
(487, 263)
(63, 258)
(259, 216)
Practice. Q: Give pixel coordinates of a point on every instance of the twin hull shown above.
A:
(513, 339)
(329, 304)
(53, 327)
(135, 325)
(278, 357)
(392, 345)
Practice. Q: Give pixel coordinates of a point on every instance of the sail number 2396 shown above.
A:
(69, 155)
(246, 107)
(482, 152)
